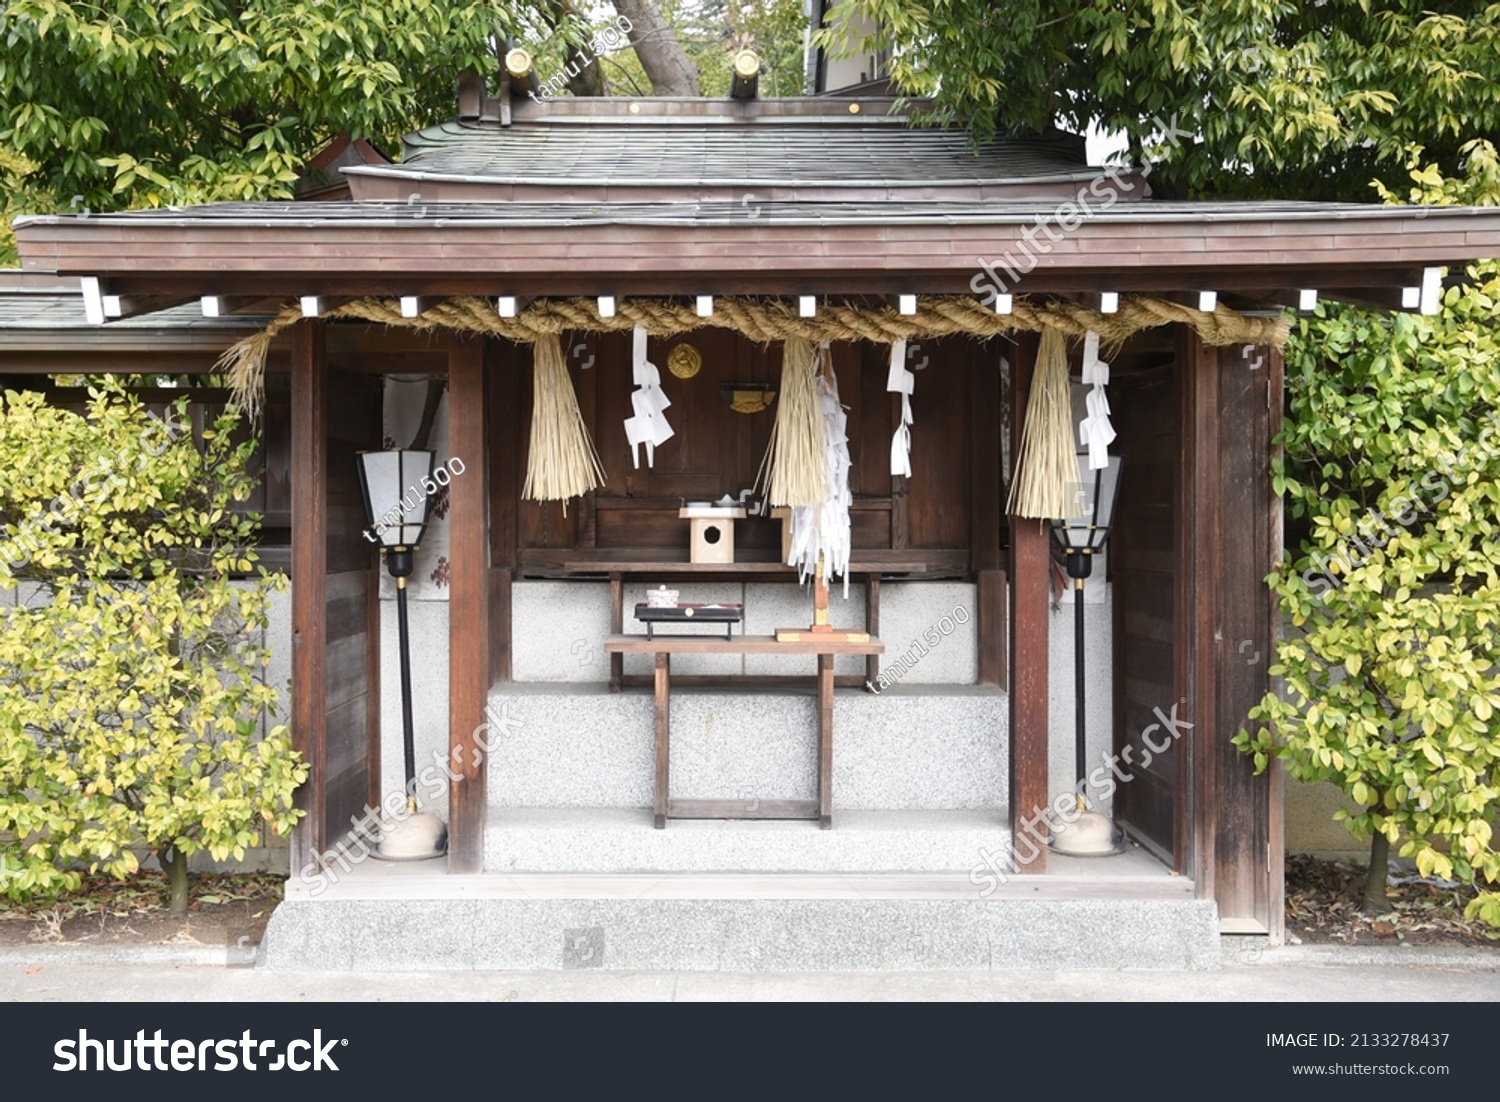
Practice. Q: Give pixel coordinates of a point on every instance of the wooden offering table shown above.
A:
(664, 647)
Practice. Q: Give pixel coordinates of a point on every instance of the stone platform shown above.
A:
(413, 917)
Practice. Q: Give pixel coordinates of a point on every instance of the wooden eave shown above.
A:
(357, 249)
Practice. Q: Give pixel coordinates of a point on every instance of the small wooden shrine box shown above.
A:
(713, 531)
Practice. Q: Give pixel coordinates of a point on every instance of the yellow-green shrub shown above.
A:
(130, 664)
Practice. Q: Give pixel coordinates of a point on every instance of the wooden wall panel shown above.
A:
(351, 690)
(716, 451)
(1143, 566)
(986, 506)
(505, 455)
(335, 647)
(940, 445)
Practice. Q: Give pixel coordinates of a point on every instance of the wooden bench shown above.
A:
(663, 647)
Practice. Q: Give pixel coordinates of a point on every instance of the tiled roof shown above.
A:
(698, 152)
(751, 215)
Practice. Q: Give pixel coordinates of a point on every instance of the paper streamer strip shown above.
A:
(823, 530)
(1095, 431)
(648, 426)
(903, 382)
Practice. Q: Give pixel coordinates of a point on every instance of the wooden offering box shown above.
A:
(713, 531)
(726, 614)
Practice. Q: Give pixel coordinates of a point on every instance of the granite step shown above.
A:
(622, 840)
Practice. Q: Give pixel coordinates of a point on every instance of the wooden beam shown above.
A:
(1029, 626)
(309, 581)
(677, 272)
(469, 670)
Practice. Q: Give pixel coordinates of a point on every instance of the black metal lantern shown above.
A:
(397, 487)
(1078, 537)
(1083, 533)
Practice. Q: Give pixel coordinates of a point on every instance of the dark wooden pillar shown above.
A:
(985, 509)
(469, 668)
(309, 580)
(1232, 534)
(1028, 638)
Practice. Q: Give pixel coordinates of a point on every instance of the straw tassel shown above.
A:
(1046, 462)
(794, 471)
(562, 461)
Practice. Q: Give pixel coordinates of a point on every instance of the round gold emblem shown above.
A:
(684, 361)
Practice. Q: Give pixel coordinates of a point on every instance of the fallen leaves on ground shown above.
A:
(1323, 901)
(223, 906)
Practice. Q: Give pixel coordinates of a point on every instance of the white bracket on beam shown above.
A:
(1432, 290)
(93, 300)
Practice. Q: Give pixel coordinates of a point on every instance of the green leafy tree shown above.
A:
(1281, 99)
(131, 675)
(123, 104)
(1392, 469)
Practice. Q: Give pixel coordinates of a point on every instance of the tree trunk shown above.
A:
(588, 80)
(174, 863)
(1376, 901)
(671, 71)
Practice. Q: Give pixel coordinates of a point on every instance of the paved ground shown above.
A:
(1293, 974)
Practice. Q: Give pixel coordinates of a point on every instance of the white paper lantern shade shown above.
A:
(1082, 534)
(396, 499)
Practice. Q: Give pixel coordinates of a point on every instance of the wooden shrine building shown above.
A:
(722, 227)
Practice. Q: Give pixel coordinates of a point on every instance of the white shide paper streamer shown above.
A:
(903, 382)
(649, 425)
(1095, 431)
(823, 530)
